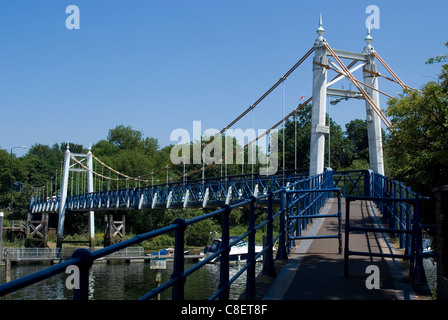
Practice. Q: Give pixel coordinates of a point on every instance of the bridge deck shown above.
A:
(315, 270)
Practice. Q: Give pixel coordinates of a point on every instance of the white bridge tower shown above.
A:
(322, 89)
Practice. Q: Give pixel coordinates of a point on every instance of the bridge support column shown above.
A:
(114, 231)
(373, 120)
(37, 232)
(90, 190)
(318, 127)
(63, 199)
(441, 195)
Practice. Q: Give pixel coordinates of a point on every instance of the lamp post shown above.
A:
(12, 179)
(1, 234)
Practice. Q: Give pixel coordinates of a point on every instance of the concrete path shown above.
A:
(315, 270)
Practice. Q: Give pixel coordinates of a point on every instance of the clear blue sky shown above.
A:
(160, 65)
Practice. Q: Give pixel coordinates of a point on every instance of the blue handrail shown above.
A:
(84, 258)
(400, 208)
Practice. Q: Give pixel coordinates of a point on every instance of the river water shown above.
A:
(130, 281)
(124, 281)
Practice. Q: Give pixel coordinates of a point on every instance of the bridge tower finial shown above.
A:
(368, 39)
(320, 31)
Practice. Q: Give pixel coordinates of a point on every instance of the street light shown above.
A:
(12, 182)
(336, 101)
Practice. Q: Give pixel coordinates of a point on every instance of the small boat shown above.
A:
(238, 251)
(166, 252)
(426, 244)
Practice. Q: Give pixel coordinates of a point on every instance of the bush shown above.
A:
(201, 233)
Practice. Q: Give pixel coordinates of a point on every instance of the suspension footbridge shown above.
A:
(295, 200)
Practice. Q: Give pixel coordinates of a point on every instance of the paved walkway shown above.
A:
(315, 271)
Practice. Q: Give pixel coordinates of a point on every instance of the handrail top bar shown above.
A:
(314, 190)
(411, 200)
(84, 258)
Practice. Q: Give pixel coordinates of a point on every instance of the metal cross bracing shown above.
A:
(367, 90)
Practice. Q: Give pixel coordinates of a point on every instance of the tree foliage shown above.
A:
(418, 149)
(129, 152)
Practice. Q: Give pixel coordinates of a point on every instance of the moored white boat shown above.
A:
(238, 252)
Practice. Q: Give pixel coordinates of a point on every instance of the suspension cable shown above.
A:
(253, 141)
(346, 73)
(117, 172)
(398, 80)
(102, 176)
(285, 76)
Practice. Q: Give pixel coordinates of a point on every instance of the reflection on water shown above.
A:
(124, 281)
(130, 281)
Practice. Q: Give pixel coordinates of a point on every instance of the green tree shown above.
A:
(5, 178)
(297, 143)
(125, 138)
(356, 133)
(297, 140)
(127, 151)
(418, 148)
(341, 155)
(19, 178)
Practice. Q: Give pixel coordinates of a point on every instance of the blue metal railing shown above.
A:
(306, 211)
(397, 214)
(354, 182)
(400, 208)
(84, 258)
(172, 194)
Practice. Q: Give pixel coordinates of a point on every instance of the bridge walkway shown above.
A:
(315, 270)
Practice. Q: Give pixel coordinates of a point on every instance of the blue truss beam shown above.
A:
(204, 193)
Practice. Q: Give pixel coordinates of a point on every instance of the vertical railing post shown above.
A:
(368, 178)
(1, 234)
(301, 223)
(419, 274)
(347, 235)
(402, 214)
(224, 265)
(309, 210)
(441, 205)
(305, 202)
(251, 279)
(291, 222)
(282, 253)
(387, 211)
(313, 196)
(394, 208)
(339, 222)
(82, 293)
(268, 261)
(408, 222)
(178, 268)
